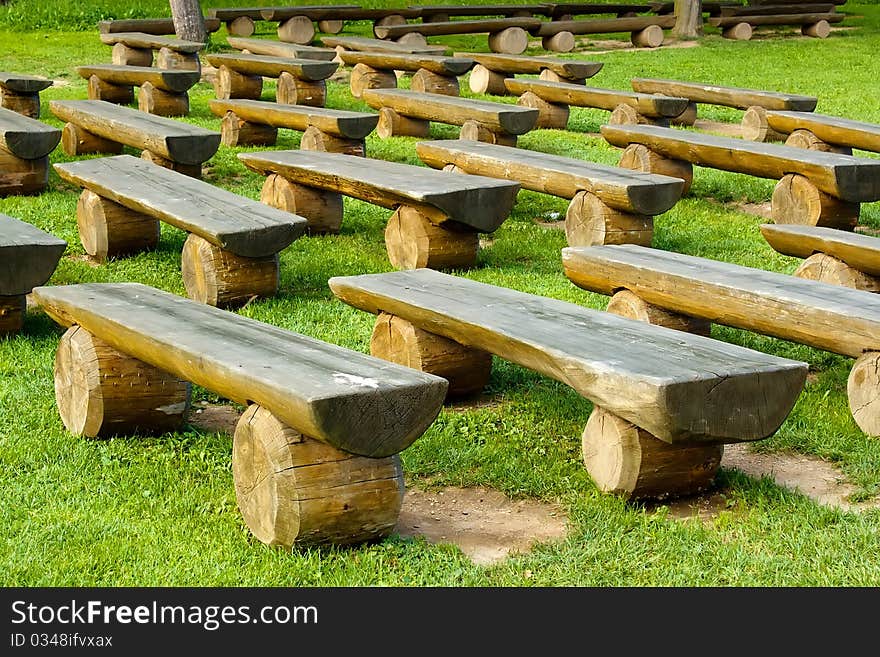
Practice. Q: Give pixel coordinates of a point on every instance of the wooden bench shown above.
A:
(830, 255)
(21, 93)
(552, 100)
(609, 205)
(492, 69)
(315, 453)
(297, 24)
(821, 132)
(436, 74)
(442, 13)
(824, 316)
(28, 258)
(816, 188)
(25, 144)
(755, 102)
(378, 45)
(256, 123)
(664, 401)
(157, 26)
(279, 49)
(565, 11)
(136, 49)
(437, 216)
(231, 251)
(300, 81)
(507, 35)
(645, 31)
(409, 113)
(161, 91)
(740, 26)
(96, 126)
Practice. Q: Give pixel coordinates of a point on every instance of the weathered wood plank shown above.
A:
(624, 189)
(350, 400)
(380, 45)
(159, 26)
(28, 256)
(778, 19)
(843, 176)
(174, 80)
(574, 69)
(771, 9)
(178, 141)
(439, 64)
(861, 252)
(151, 41)
(482, 10)
(586, 8)
(830, 317)
(336, 12)
(23, 84)
(281, 49)
(25, 137)
(488, 25)
(604, 26)
(835, 130)
(272, 67)
(738, 97)
(678, 386)
(343, 123)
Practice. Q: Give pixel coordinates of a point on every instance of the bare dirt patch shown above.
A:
(214, 418)
(757, 209)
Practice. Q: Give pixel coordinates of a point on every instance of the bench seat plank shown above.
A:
(830, 317)
(861, 252)
(350, 400)
(624, 189)
(23, 84)
(343, 123)
(604, 25)
(482, 10)
(777, 19)
(380, 45)
(173, 80)
(236, 223)
(158, 26)
(456, 27)
(178, 141)
(574, 69)
(843, 176)
(679, 387)
(476, 201)
(281, 49)
(336, 12)
(25, 137)
(439, 64)
(835, 130)
(28, 256)
(273, 67)
(151, 41)
(737, 97)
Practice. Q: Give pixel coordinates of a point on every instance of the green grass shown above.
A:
(162, 511)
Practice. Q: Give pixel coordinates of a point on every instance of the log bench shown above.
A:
(830, 255)
(492, 69)
(553, 99)
(300, 81)
(815, 188)
(665, 402)
(163, 92)
(28, 258)
(136, 49)
(436, 74)
(442, 13)
(96, 126)
(821, 132)
(409, 113)
(25, 144)
(21, 93)
(157, 26)
(506, 35)
(661, 287)
(567, 10)
(231, 251)
(365, 44)
(297, 24)
(740, 27)
(755, 102)
(256, 123)
(279, 49)
(315, 455)
(609, 205)
(437, 216)
(645, 31)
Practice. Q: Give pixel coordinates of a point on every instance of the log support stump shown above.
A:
(818, 30)
(238, 132)
(560, 42)
(109, 230)
(78, 141)
(293, 490)
(806, 139)
(553, 116)
(688, 117)
(26, 104)
(650, 37)
(112, 93)
(314, 139)
(640, 158)
(193, 170)
(553, 76)
(101, 392)
(632, 306)
(589, 221)
(242, 26)
(12, 311)
(863, 392)
(413, 39)
(394, 19)
(322, 209)
(182, 61)
(366, 77)
(297, 29)
(627, 115)
(162, 103)
(293, 91)
(511, 40)
(392, 124)
(232, 84)
(330, 26)
(738, 32)
(127, 56)
(21, 177)
(399, 341)
(476, 131)
(414, 241)
(425, 81)
(828, 269)
(796, 200)
(756, 128)
(484, 81)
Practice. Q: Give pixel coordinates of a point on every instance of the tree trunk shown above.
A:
(189, 22)
(688, 19)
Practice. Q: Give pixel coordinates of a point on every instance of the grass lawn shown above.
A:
(161, 511)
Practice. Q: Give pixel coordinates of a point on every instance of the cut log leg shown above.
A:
(828, 269)
(483, 81)
(127, 56)
(297, 29)
(162, 103)
(435, 18)
(650, 37)
(293, 490)
(193, 170)
(738, 32)
(413, 242)
(476, 131)
(627, 115)
(322, 209)
(818, 30)
(756, 128)
(182, 61)
(626, 460)
(392, 124)
(26, 104)
(12, 312)
(238, 132)
(511, 40)
(242, 26)
(331, 26)
(108, 230)
(863, 391)
(640, 158)
(391, 20)
(806, 139)
(560, 42)
(688, 117)
(112, 93)
(77, 141)
(589, 221)
(21, 177)
(413, 39)
(231, 84)
(314, 139)
(397, 340)
(367, 77)
(425, 81)
(293, 91)
(796, 200)
(101, 392)
(550, 115)
(218, 277)
(632, 306)
(553, 76)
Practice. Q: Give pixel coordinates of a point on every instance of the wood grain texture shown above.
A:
(164, 79)
(738, 97)
(380, 45)
(28, 256)
(109, 230)
(859, 251)
(605, 25)
(677, 386)
(26, 138)
(151, 41)
(574, 69)
(835, 130)
(280, 49)
(160, 26)
(439, 64)
(828, 269)
(342, 123)
(19, 177)
(23, 84)
(777, 19)
(355, 402)
(272, 67)
(483, 26)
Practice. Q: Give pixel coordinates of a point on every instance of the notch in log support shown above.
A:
(551, 116)
(796, 200)
(639, 157)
